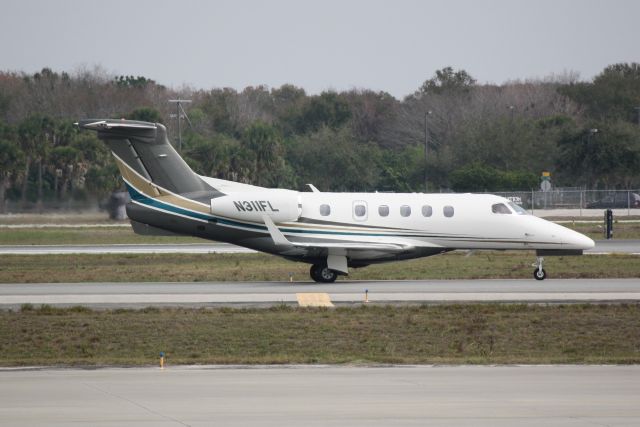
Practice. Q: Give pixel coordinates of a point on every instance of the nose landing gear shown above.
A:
(539, 273)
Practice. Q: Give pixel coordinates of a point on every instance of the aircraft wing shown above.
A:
(281, 240)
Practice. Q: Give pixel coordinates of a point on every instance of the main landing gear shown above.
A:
(539, 273)
(323, 274)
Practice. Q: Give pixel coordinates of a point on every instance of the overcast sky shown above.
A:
(325, 44)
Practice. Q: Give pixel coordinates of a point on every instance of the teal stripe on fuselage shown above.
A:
(141, 198)
(145, 200)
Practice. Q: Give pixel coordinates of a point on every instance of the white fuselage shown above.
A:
(473, 224)
(406, 220)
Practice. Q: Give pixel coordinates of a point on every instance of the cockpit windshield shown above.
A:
(518, 209)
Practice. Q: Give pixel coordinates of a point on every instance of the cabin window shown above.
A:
(360, 210)
(405, 210)
(448, 211)
(383, 210)
(500, 208)
(427, 211)
(325, 210)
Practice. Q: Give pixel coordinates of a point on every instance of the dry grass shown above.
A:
(84, 236)
(488, 333)
(260, 267)
(621, 230)
(115, 235)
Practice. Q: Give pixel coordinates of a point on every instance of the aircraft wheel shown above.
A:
(322, 274)
(327, 275)
(539, 274)
(313, 272)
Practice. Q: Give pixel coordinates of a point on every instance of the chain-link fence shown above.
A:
(557, 202)
(113, 206)
(579, 202)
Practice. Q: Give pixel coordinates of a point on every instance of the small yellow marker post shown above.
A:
(162, 360)
(366, 295)
(290, 277)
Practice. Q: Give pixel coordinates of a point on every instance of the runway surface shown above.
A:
(113, 295)
(602, 247)
(321, 396)
(616, 246)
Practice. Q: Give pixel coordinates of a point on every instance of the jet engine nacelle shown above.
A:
(280, 205)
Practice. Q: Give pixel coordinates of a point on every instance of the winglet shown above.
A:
(276, 234)
(313, 188)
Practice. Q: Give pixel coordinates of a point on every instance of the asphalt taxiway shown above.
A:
(322, 396)
(111, 295)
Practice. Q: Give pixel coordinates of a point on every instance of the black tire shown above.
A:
(313, 272)
(539, 274)
(322, 274)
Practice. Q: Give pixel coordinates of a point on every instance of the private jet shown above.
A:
(330, 231)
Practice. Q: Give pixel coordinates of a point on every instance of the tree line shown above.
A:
(479, 137)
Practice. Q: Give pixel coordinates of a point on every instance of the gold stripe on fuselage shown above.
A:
(153, 191)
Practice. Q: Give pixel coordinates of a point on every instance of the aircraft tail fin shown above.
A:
(145, 157)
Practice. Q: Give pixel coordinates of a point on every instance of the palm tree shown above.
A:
(263, 140)
(11, 161)
(36, 134)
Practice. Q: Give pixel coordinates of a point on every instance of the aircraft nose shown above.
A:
(575, 240)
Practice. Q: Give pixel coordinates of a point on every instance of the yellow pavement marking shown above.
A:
(314, 300)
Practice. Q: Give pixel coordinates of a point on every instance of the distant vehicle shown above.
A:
(331, 231)
(616, 200)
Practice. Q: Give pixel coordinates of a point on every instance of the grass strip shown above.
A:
(125, 235)
(262, 267)
(451, 334)
(621, 230)
(84, 236)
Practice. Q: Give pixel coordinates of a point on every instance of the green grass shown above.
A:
(257, 267)
(452, 334)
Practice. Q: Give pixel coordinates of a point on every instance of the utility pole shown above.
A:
(426, 147)
(179, 108)
(590, 134)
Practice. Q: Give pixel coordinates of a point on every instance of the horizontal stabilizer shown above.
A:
(114, 124)
(146, 158)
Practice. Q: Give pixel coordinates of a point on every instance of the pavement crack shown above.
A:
(139, 405)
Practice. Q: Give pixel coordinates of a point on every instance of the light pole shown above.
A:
(426, 146)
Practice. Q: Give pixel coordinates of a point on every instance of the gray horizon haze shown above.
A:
(391, 46)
